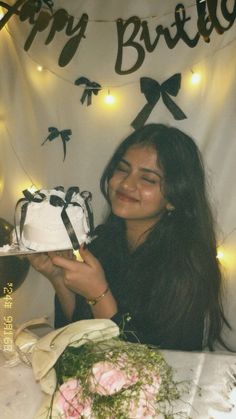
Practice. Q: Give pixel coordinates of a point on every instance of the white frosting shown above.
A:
(44, 229)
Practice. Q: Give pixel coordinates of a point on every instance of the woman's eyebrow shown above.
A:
(142, 169)
(125, 161)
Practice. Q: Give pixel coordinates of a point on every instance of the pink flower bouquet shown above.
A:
(113, 379)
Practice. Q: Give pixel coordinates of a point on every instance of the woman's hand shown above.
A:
(85, 278)
(43, 263)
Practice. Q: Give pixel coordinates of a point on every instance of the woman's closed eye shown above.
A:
(150, 180)
(121, 169)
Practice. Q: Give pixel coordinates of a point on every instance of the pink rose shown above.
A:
(152, 389)
(72, 402)
(108, 378)
(143, 408)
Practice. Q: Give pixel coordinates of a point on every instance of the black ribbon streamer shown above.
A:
(87, 196)
(55, 133)
(152, 91)
(29, 197)
(90, 88)
(57, 201)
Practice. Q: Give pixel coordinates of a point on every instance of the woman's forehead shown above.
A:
(142, 154)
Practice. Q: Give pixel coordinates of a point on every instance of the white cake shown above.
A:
(43, 228)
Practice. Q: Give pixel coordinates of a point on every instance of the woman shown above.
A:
(152, 268)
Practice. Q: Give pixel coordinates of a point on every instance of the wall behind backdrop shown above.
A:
(38, 91)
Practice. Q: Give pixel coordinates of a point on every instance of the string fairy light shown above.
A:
(226, 256)
(226, 253)
(40, 68)
(1, 13)
(195, 78)
(32, 189)
(109, 98)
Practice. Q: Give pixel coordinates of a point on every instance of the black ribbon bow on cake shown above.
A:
(56, 201)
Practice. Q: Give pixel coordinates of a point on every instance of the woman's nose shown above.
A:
(129, 183)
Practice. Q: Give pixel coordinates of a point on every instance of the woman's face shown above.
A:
(135, 187)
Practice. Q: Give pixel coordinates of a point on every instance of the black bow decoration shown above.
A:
(54, 133)
(152, 91)
(91, 87)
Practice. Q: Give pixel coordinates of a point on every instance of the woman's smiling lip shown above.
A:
(126, 198)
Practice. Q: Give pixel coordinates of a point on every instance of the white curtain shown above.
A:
(31, 101)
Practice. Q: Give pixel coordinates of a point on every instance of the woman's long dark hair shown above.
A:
(183, 240)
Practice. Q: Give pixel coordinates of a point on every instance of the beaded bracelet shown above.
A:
(93, 301)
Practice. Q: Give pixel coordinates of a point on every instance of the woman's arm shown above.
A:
(88, 279)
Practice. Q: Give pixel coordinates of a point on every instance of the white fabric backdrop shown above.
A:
(32, 101)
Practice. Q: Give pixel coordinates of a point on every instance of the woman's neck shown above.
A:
(137, 232)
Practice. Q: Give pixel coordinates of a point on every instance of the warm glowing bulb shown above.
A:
(109, 99)
(226, 256)
(220, 255)
(1, 13)
(195, 78)
(32, 189)
(39, 67)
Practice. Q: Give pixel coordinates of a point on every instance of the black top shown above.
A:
(134, 283)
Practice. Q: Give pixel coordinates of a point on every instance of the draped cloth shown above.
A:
(32, 101)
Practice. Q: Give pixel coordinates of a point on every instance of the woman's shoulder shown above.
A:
(101, 239)
(108, 243)
(101, 232)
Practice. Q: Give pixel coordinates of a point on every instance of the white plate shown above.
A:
(16, 251)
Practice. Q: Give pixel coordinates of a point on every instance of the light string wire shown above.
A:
(226, 237)
(17, 157)
(105, 86)
(190, 6)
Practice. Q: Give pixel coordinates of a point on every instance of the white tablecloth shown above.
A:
(212, 379)
(20, 395)
(211, 394)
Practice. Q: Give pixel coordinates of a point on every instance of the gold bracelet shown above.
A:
(93, 301)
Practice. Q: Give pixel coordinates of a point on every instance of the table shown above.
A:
(210, 396)
(212, 376)
(20, 395)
